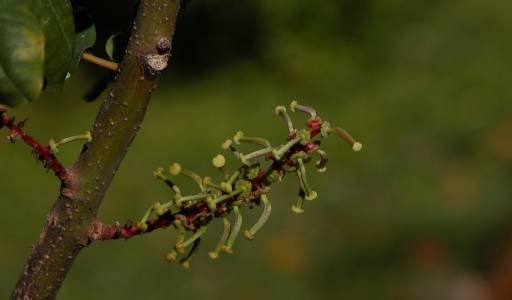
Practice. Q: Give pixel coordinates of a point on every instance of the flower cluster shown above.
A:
(248, 185)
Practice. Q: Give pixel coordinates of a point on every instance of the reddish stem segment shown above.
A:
(42, 153)
(100, 231)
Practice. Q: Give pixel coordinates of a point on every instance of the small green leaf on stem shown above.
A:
(83, 40)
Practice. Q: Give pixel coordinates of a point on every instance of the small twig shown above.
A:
(42, 153)
(101, 231)
(100, 61)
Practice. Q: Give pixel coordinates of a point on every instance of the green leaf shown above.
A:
(21, 52)
(56, 19)
(83, 40)
(9, 94)
(37, 42)
(109, 47)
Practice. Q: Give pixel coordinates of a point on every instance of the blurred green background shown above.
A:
(423, 212)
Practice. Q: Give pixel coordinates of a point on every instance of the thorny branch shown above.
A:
(42, 153)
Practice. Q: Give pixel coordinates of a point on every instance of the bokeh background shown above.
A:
(424, 212)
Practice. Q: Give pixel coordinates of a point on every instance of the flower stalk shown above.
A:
(249, 186)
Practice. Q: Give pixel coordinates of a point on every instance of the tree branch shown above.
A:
(107, 64)
(42, 153)
(101, 232)
(67, 228)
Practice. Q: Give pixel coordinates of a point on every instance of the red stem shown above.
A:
(42, 153)
(100, 231)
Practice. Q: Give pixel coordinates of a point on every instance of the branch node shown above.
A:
(155, 63)
(163, 46)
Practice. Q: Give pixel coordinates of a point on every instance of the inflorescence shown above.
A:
(248, 185)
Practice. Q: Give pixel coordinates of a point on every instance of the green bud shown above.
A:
(175, 169)
(244, 186)
(252, 172)
(305, 136)
(142, 226)
(171, 257)
(274, 176)
(219, 161)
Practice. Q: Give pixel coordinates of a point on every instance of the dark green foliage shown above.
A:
(38, 42)
(56, 20)
(111, 23)
(83, 40)
(39, 46)
(21, 53)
